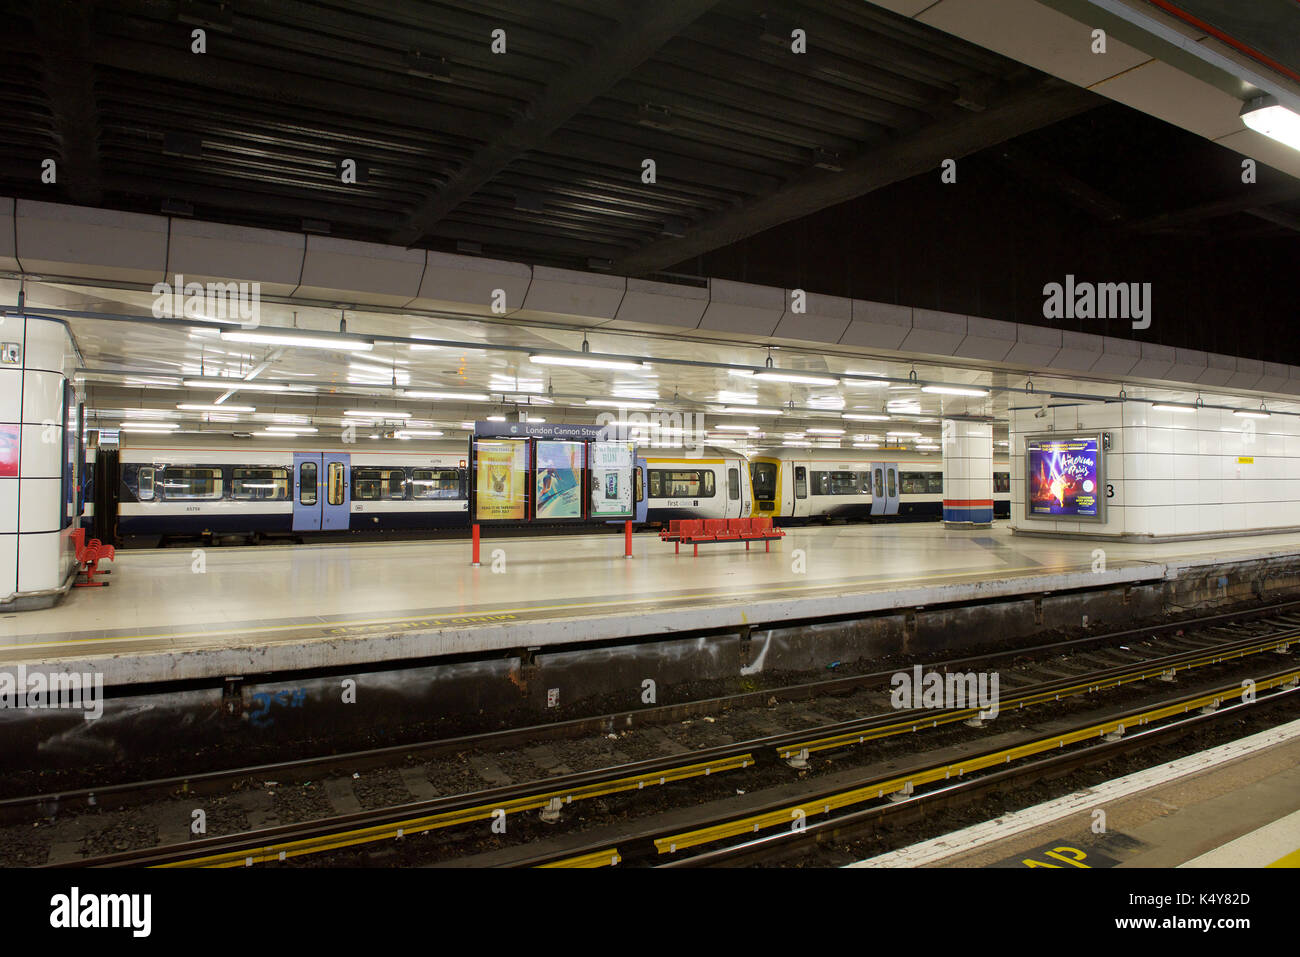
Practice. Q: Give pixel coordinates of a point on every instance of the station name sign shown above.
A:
(545, 430)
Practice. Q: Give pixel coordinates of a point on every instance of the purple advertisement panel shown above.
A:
(1063, 477)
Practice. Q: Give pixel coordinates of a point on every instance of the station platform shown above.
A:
(173, 614)
(1236, 805)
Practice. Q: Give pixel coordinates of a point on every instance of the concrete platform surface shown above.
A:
(181, 613)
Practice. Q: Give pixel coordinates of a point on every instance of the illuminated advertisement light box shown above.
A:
(611, 479)
(1064, 477)
(559, 479)
(8, 451)
(501, 480)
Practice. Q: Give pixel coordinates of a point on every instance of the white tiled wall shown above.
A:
(967, 460)
(1177, 473)
(36, 553)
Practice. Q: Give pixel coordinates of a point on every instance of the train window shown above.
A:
(892, 479)
(263, 485)
(639, 484)
(733, 484)
(764, 480)
(800, 482)
(693, 484)
(921, 483)
(880, 483)
(1001, 481)
(336, 490)
(839, 483)
(307, 483)
(435, 483)
(192, 483)
(371, 485)
(144, 483)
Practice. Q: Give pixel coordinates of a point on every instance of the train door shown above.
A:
(336, 496)
(638, 490)
(735, 506)
(878, 499)
(306, 491)
(891, 488)
(800, 503)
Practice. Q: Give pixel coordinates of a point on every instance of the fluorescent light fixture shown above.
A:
(252, 385)
(341, 343)
(496, 418)
(584, 361)
(534, 418)
(744, 372)
(1170, 407)
(904, 435)
(1265, 115)
(148, 426)
(193, 407)
(826, 431)
(1251, 415)
(737, 428)
(151, 380)
(750, 410)
(636, 393)
(450, 396)
(293, 429)
(866, 445)
(377, 414)
(867, 383)
(792, 435)
(268, 434)
(953, 390)
(797, 444)
(796, 378)
(619, 404)
(419, 434)
(864, 417)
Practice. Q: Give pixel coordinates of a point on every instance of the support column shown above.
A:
(967, 472)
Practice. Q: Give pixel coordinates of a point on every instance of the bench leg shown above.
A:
(697, 550)
(677, 548)
(747, 546)
(767, 546)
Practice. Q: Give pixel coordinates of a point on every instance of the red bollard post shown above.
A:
(475, 559)
(627, 539)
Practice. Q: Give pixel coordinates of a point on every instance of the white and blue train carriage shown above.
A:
(195, 485)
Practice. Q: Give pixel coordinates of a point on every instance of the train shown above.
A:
(160, 487)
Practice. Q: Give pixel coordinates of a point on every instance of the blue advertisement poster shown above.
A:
(1063, 477)
(559, 479)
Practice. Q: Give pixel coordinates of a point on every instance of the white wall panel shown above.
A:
(743, 307)
(650, 303)
(339, 268)
(42, 397)
(936, 333)
(11, 395)
(824, 319)
(466, 283)
(41, 459)
(40, 562)
(205, 252)
(91, 243)
(8, 509)
(878, 325)
(48, 347)
(567, 292)
(39, 508)
(8, 567)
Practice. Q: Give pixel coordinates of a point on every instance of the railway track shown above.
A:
(286, 842)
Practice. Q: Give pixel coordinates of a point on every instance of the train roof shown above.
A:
(199, 442)
(863, 456)
(684, 455)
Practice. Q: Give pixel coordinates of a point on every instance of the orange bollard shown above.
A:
(475, 559)
(627, 539)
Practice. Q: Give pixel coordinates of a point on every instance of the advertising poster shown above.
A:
(1064, 477)
(559, 479)
(8, 451)
(611, 480)
(501, 481)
